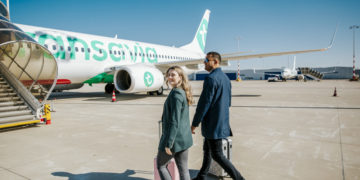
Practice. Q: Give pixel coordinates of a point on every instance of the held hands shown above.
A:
(193, 129)
(168, 151)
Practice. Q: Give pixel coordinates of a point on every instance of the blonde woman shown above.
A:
(176, 136)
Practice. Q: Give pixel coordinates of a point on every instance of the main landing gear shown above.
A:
(160, 91)
(109, 88)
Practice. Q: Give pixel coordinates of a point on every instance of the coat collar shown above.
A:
(215, 70)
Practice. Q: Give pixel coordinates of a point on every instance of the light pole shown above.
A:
(353, 27)
(238, 78)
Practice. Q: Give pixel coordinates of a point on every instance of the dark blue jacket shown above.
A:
(213, 106)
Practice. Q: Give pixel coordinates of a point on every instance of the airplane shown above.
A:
(287, 74)
(128, 66)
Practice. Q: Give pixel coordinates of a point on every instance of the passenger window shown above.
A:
(54, 47)
(88, 49)
(76, 49)
(46, 46)
(61, 48)
(82, 49)
(114, 52)
(100, 51)
(110, 52)
(69, 48)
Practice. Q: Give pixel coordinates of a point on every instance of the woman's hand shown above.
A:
(168, 151)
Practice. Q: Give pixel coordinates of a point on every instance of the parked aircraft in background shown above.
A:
(296, 74)
(129, 66)
(287, 74)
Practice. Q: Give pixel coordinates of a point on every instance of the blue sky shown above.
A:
(262, 25)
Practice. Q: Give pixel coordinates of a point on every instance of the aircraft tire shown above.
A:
(109, 88)
(160, 91)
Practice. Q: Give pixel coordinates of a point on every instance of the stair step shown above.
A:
(13, 108)
(2, 86)
(17, 118)
(11, 103)
(15, 113)
(2, 94)
(6, 90)
(5, 99)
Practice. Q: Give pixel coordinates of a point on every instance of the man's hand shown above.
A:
(168, 151)
(193, 129)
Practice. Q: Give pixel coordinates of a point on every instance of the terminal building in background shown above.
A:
(264, 74)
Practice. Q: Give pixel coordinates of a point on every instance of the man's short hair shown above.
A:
(215, 55)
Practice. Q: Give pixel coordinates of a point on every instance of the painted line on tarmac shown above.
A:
(15, 173)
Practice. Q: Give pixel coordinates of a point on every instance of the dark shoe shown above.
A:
(198, 178)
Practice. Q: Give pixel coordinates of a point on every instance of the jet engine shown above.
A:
(138, 78)
(300, 77)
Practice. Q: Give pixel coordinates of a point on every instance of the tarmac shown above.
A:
(282, 130)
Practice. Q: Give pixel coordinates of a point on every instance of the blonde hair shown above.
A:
(184, 83)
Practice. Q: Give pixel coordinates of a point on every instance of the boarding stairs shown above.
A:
(311, 73)
(12, 106)
(28, 73)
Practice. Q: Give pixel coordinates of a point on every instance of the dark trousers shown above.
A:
(213, 149)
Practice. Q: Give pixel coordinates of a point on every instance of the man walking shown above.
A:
(213, 112)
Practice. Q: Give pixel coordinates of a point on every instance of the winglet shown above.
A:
(333, 38)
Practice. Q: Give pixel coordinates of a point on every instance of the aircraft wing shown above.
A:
(236, 56)
(226, 58)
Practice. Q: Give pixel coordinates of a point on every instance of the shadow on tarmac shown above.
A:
(103, 175)
(193, 174)
(101, 96)
(19, 128)
(115, 176)
(98, 96)
(237, 95)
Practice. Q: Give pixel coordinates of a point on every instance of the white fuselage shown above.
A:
(83, 56)
(289, 73)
